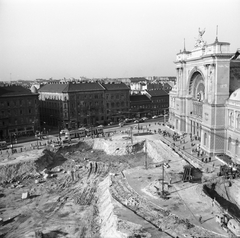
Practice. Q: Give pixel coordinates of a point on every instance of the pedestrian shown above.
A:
(170, 181)
(200, 219)
(213, 202)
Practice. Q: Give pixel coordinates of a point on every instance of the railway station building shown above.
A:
(205, 100)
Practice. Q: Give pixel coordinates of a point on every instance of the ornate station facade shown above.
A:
(202, 101)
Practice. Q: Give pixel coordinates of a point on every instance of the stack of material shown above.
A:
(25, 195)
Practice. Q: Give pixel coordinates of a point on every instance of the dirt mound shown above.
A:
(48, 160)
(118, 146)
(18, 171)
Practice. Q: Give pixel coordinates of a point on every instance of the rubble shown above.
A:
(107, 192)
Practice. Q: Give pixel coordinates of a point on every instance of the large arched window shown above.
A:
(231, 119)
(205, 139)
(196, 85)
(237, 147)
(238, 122)
(229, 143)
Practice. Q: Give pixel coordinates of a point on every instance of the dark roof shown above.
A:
(77, 87)
(166, 85)
(70, 87)
(53, 88)
(138, 79)
(15, 90)
(115, 86)
(236, 55)
(157, 92)
(138, 98)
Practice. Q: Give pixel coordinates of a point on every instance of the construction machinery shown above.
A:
(187, 173)
(229, 171)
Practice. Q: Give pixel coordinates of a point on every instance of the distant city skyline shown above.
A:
(107, 38)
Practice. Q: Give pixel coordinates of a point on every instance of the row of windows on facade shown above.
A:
(96, 111)
(84, 104)
(83, 96)
(230, 144)
(233, 149)
(81, 113)
(20, 102)
(161, 100)
(99, 96)
(83, 117)
(16, 121)
(150, 106)
(231, 120)
(16, 112)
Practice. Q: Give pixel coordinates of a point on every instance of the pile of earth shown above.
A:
(20, 170)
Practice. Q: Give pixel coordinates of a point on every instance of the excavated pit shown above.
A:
(219, 193)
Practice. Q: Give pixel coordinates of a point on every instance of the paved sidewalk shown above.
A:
(185, 145)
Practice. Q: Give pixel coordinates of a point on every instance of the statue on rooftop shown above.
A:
(201, 33)
(199, 41)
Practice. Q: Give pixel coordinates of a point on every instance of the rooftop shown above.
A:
(155, 93)
(70, 87)
(140, 79)
(137, 98)
(14, 90)
(115, 86)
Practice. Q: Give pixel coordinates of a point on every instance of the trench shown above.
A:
(225, 204)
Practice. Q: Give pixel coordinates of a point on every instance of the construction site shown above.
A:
(124, 184)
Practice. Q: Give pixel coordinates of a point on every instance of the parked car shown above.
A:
(3, 145)
(121, 124)
(144, 118)
(128, 120)
(166, 165)
(154, 117)
(110, 123)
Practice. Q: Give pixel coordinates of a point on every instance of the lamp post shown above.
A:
(36, 131)
(131, 134)
(90, 122)
(164, 116)
(11, 143)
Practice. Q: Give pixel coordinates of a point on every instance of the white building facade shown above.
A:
(199, 101)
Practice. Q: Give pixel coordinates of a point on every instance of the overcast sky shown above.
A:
(107, 38)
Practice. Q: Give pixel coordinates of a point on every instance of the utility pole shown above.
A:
(131, 134)
(146, 157)
(162, 180)
(11, 143)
